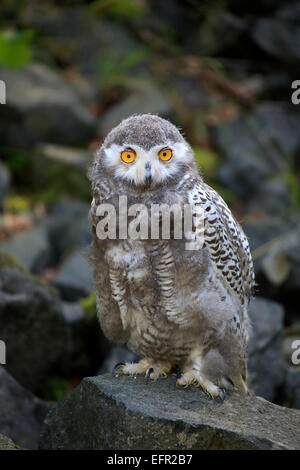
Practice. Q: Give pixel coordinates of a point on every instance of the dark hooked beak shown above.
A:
(148, 175)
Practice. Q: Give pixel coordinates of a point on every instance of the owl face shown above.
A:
(146, 151)
(139, 166)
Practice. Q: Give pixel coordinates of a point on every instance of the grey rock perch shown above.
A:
(118, 413)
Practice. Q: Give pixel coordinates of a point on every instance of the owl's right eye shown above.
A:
(128, 156)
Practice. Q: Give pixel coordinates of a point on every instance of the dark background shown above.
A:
(222, 71)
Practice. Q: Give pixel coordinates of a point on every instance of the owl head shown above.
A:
(145, 151)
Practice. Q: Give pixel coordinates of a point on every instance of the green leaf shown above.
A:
(207, 160)
(15, 48)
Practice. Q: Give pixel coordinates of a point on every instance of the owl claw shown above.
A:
(148, 373)
(223, 394)
(117, 367)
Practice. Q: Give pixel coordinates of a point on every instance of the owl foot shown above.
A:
(151, 370)
(194, 377)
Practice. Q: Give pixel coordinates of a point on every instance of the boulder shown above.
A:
(42, 106)
(4, 182)
(74, 279)
(7, 444)
(31, 248)
(148, 99)
(31, 324)
(253, 146)
(266, 365)
(291, 389)
(21, 412)
(125, 413)
(68, 227)
(277, 35)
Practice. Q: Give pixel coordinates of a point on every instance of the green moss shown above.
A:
(89, 306)
(54, 389)
(40, 179)
(9, 261)
(207, 160)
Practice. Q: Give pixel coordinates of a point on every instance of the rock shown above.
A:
(31, 325)
(278, 258)
(85, 40)
(263, 234)
(74, 279)
(146, 100)
(42, 106)
(123, 413)
(291, 390)
(266, 365)
(68, 227)
(4, 183)
(78, 360)
(278, 35)
(65, 155)
(253, 146)
(273, 197)
(31, 248)
(7, 444)
(21, 412)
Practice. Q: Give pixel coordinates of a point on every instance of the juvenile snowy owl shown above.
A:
(175, 308)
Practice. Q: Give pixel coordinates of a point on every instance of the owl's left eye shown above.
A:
(165, 154)
(128, 156)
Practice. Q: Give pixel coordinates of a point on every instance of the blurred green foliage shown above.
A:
(55, 388)
(15, 48)
(89, 306)
(292, 179)
(115, 9)
(207, 160)
(42, 179)
(114, 72)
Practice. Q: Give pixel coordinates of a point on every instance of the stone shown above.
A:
(253, 146)
(85, 40)
(31, 325)
(65, 155)
(21, 412)
(273, 197)
(31, 248)
(146, 100)
(266, 366)
(42, 106)
(128, 413)
(68, 227)
(7, 444)
(277, 35)
(4, 183)
(291, 390)
(74, 279)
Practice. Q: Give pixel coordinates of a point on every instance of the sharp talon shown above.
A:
(230, 381)
(149, 372)
(223, 394)
(177, 376)
(117, 366)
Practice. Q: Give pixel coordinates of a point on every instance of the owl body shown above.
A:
(170, 305)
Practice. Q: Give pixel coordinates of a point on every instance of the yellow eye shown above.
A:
(128, 156)
(165, 154)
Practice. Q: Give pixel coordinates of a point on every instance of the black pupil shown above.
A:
(164, 154)
(128, 156)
